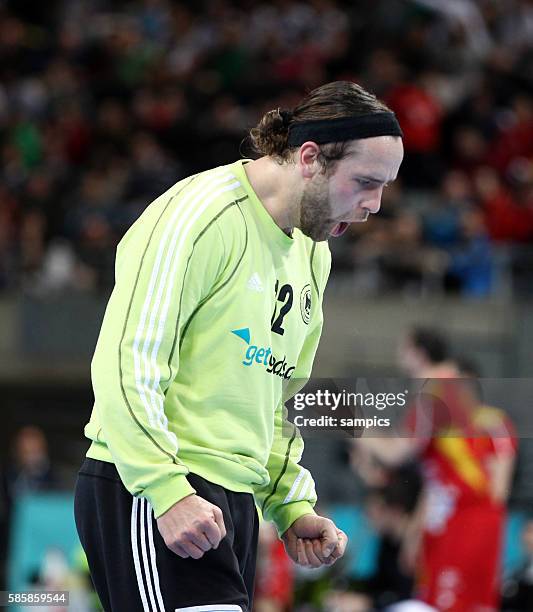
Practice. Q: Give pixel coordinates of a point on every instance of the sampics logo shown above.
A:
(262, 355)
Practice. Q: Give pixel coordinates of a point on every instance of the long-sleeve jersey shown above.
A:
(215, 316)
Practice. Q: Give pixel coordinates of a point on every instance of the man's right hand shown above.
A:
(192, 526)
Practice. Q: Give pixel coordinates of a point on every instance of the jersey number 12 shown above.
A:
(285, 296)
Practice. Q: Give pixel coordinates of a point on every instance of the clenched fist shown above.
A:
(312, 541)
(192, 526)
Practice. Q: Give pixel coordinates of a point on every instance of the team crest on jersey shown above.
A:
(305, 304)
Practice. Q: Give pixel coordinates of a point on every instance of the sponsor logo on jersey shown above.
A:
(262, 355)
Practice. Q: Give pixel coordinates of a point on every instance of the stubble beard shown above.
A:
(315, 212)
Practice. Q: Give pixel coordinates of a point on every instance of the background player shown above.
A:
(467, 453)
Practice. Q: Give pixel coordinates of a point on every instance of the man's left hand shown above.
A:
(313, 541)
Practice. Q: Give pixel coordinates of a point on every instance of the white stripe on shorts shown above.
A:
(151, 548)
(135, 549)
(144, 555)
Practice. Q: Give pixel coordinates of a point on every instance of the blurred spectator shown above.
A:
(442, 217)
(469, 148)
(406, 260)
(420, 115)
(394, 251)
(30, 470)
(471, 262)
(516, 134)
(507, 220)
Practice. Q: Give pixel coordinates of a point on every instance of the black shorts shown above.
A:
(131, 567)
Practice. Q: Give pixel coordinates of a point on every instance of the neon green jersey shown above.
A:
(214, 311)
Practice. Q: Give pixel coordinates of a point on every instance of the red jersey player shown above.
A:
(467, 452)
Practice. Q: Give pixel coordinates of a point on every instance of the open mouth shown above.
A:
(339, 229)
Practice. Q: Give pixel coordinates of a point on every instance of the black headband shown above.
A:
(346, 128)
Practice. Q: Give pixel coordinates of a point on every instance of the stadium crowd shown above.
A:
(105, 104)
